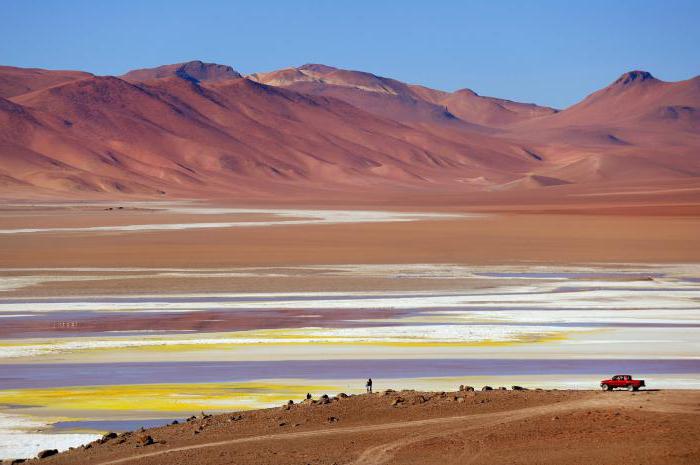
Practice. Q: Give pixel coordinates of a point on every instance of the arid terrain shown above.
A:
(184, 238)
(409, 427)
(202, 130)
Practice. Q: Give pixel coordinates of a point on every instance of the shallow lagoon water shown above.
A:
(539, 326)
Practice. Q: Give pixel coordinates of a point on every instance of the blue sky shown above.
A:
(549, 52)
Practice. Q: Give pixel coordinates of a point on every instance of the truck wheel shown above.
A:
(605, 387)
(636, 388)
(630, 388)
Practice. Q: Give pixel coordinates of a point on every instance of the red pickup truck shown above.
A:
(622, 381)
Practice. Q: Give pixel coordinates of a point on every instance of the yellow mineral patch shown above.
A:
(162, 397)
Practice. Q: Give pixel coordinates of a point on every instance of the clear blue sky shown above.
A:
(549, 52)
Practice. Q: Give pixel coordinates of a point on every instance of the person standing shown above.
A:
(368, 385)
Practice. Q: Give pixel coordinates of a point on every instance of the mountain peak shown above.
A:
(317, 68)
(194, 71)
(634, 76)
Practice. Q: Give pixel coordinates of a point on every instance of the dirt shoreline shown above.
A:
(525, 427)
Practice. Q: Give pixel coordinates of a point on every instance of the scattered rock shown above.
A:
(518, 388)
(290, 402)
(460, 399)
(87, 446)
(324, 399)
(502, 388)
(397, 401)
(466, 388)
(108, 436)
(342, 395)
(332, 419)
(487, 388)
(144, 440)
(192, 418)
(283, 423)
(388, 392)
(46, 453)
(175, 422)
(16, 461)
(555, 418)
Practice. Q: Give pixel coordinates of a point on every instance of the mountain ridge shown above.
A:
(201, 129)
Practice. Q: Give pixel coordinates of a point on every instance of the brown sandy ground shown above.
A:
(494, 239)
(408, 427)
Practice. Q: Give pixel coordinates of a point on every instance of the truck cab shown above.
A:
(622, 381)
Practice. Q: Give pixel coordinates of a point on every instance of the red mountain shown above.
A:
(17, 81)
(191, 70)
(197, 129)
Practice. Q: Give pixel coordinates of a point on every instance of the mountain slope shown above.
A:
(202, 130)
(402, 102)
(16, 81)
(175, 135)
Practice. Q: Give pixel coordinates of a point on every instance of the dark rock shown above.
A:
(518, 388)
(144, 440)
(332, 419)
(342, 395)
(398, 401)
(502, 388)
(46, 453)
(17, 461)
(109, 436)
(487, 388)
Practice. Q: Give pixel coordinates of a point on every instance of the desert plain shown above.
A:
(123, 314)
(188, 242)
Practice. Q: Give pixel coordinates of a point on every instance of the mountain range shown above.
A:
(204, 130)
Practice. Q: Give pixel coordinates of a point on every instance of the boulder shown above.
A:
(398, 401)
(16, 461)
(332, 419)
(502, 388)
(106, 438)
(144, 440)
(518, 388)
(389, 392)
(487, 388)
(342, 395)
(46, 453)
(466, 388)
